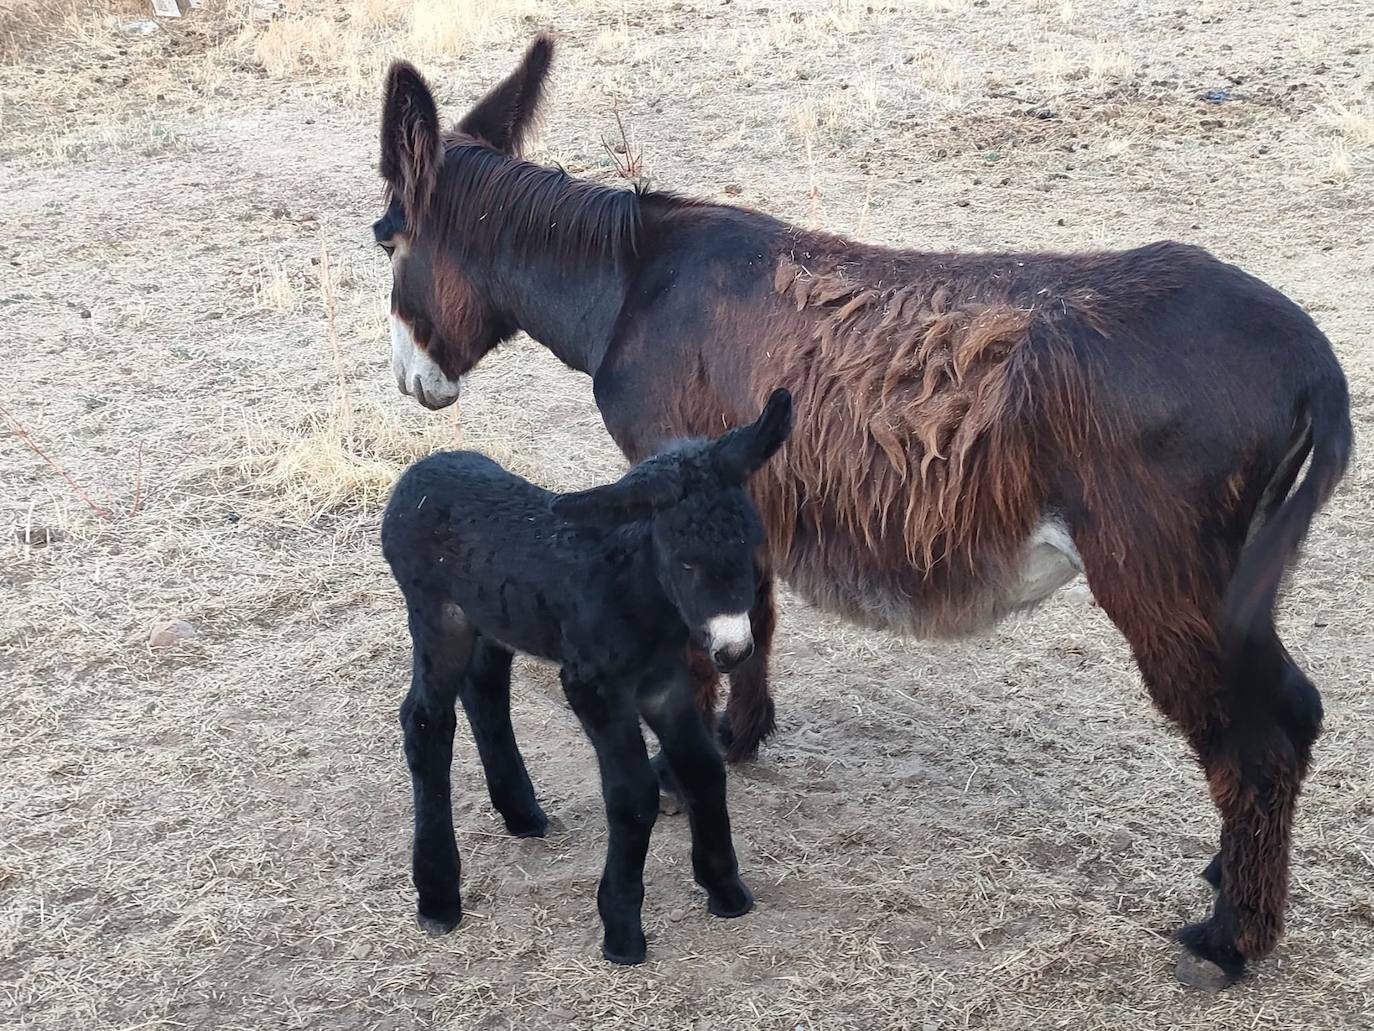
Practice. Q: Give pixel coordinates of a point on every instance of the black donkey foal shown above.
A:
(611, 583)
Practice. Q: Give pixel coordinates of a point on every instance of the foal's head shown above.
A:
(703, 526)
(442, 322)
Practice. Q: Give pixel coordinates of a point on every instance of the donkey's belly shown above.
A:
(898, 600)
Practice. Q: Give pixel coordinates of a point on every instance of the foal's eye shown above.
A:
(389, 248)
(688, 566)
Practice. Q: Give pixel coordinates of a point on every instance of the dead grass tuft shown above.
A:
(274, 290)
(452, 27)
(1355, 123)
(289, 46)
(344, 461)
(29, 25)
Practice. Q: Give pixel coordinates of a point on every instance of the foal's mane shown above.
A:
(487, 203)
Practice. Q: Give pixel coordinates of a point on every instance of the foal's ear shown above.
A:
(411, 147)
(636, 495)
(505, 115)
(744, 450)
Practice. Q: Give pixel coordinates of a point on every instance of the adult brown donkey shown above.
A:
(972, 430)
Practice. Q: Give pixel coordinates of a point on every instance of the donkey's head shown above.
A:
(442, 323)
(704, 528)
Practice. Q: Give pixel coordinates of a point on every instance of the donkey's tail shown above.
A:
(1326, 433)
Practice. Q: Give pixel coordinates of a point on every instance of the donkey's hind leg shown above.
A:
(1255, 770)
(485, 694)
(1301, 716)
(441, 650)
(1251, 725)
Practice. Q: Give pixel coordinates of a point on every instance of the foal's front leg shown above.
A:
(700, 774)
(608, 715)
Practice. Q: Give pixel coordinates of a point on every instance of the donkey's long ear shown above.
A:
(411, 148)
(504, 116)
(648, 486)
(744, 450)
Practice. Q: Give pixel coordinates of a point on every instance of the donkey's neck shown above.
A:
(569, 309)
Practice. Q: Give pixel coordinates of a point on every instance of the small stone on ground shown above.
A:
(172, 632)
(1200, 973)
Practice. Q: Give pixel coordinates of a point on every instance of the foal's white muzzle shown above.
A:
(416, 373)
(730, 640)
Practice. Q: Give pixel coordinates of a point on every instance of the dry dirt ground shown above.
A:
(993, 834)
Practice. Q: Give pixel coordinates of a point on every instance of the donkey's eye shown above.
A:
(688, 566)
(388, 247)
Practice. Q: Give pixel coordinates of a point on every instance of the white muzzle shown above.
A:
(416, 373)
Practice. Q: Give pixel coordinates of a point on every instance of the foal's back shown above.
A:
(461, 529)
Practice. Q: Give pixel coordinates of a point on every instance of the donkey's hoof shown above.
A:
(440, 920)
(725, 733)
(670, 801)
(732, 902)
(625, 954)
(1207, 963)
(1201, 974)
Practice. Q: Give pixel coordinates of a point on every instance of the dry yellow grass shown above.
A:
(1354, 122)
(343, 460)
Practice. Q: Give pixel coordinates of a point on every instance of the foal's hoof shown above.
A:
(625, 954)
(530, 825)
(734, 901)
(1209, 962)
(439, 920)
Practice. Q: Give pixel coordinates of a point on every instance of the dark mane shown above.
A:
(488, 203)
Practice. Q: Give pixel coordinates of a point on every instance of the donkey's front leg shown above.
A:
(672, 715)
(608, 715)
(441, 649)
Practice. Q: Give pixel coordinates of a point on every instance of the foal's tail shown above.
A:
(1248, 608)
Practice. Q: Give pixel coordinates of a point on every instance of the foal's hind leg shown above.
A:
(485, 694)
(441, 650)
